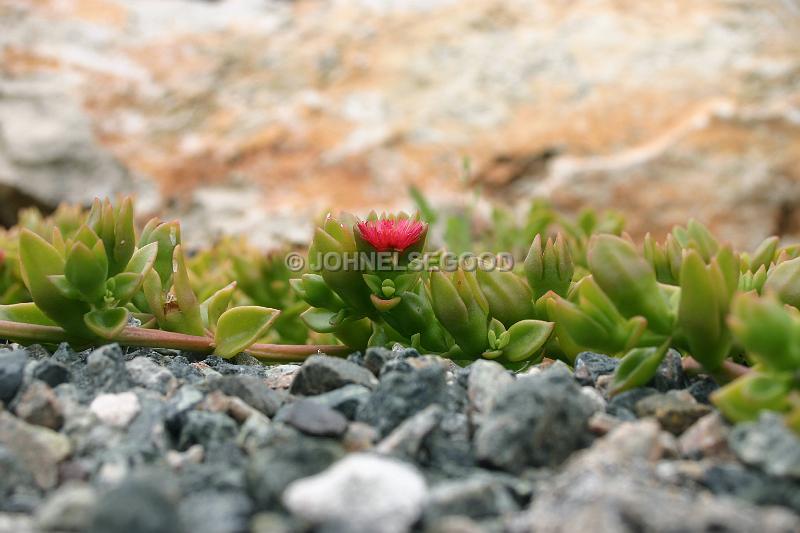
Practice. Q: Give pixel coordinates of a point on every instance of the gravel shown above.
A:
(147, 440)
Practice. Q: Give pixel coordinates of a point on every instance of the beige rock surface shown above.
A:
(255, 115)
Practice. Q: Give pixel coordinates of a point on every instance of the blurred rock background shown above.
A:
(254, 116)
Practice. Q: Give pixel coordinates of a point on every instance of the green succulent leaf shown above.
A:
(26, 313)
(124, 285)
(526, 339)
(86, 272)
(319, 320)
(637, 368)
(509, 298)
(743, 399)
(107, 323)
(240, 327)
(783, 280)
(215, 305)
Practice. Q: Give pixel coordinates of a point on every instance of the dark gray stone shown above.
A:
(51, 372)
(38, 405)
(18, 490)
(12, 367)
(181, 368)
(767, 445)
(207, 429)
(590, 365)
(347, 400)
(141, 505)
(313, 418)
(211, 476)
(702, 389)
(252, 390)
(402, 394)
(215, 512)
(675, 410)
(105, 371)
(537, 421)
(478, 497)
(733, 479)
(670, 373)
(321, 373)
(623, 405)
(287, 455)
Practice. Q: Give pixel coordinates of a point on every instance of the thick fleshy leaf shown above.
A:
(319, 320)
(168, 236)
(317, 293)
(143, 259)
(767, 331)
(784, 281)
(509, 298)
(124, 236)
(154, 295)
(526, 339)
(216, 304)
(38, 260)
(66, 288)
(124, 285)
(85, 272)
(745, 398)
(629, 281)
(240, 327)
(26, 312)
(637, 368)
(107, 323)
(764, 254)
(187, 318)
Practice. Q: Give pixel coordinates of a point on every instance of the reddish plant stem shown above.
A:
(728, 372)
(154, 338)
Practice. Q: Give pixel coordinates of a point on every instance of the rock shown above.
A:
(536, 421)
(254, 433)
(273, 523)
(669, 374)
(70, 508)
(214, 512)
(359, 437)
(589, 366)
(360, 493)
(182, 369)
(613, 487)
(17, 523)
(186, 398)
(280, 377)
(145, 373)
(19, 492)
(594, 396)
(675, 410)
(347, 400)
(252, 390)
(768, 445)
(478, 497)
(402, 394)
(105, 371)
(143, 505)
(51, 372)
(751, 485)
(285, 456)
(708, 437)
(207, 429)
(313, 418)
(321, 373)
(117, 410)
(406, 439)
(376, 357)
(702, 388)
(38, 405)
(485, 382)
(39, 449)
(12, 367)
(212, 475)
(623, 405)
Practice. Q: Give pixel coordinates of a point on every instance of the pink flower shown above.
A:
(391, 233)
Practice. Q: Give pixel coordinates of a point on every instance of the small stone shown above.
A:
(273, 523)
(675, 410)
(17, 523)
(537, 421)
(321, 373)
(478, 497)
(12, 367)
(601, 423)
(207, 429)
(594, 396)
(406, 439)
(254, 433)
(313, 418)
(708, 437)
(252, 390)
(669, 374)
(485, 382)
(39, 449)
(752, 485)
(39, 405)
(105, 371)
(359, 437)
(70, 508)
(623, 405)
(116, 410)
(18, 490)
(51, 372)
(185, 399)
(402, 394)
(146, 373)
(361, 493)
(280, 377)
(702, 389)
(177, 460)
(768, 445)
(141, 505)
(347, 400)
(182, 369)
(215, 512)
(589, 366)
(284, 456)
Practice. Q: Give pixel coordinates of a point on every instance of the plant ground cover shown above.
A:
(596, 382)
